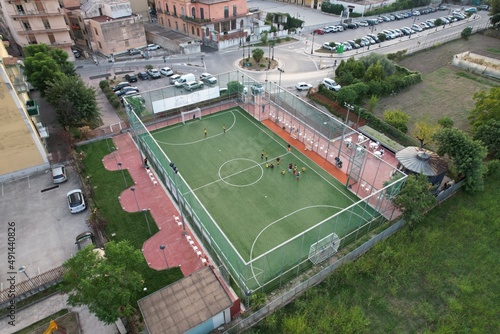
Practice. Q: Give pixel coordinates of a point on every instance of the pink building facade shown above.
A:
(207, 20)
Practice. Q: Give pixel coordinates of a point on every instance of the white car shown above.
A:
(152, 47)
(76, 201)
(303, 86)
(166, 71)
(59, 174)
(362, 23)
(331, 84)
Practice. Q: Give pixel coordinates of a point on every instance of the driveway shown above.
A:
(45, 230)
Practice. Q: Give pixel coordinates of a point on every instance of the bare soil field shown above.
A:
(443, 90)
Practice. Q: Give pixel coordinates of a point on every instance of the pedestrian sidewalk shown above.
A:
(153, 197)
(46, 307)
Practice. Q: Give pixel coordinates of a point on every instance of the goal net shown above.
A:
(191, 114)
(324, 248)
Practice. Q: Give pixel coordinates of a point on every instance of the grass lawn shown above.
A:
(442, 276)
(445, 90)
(109, 185)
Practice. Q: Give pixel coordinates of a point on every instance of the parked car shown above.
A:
(352, 25)
(154, 73)
(327, 46)
(347, 46)
(374, 37)
(208, 78)
(76, 53)
(166, 71)
(131, 77)
(143, 75)
(363, 24)
(126, 90)
(354, 44)
(257, 88)
(471, 10)
(303, 86)
(319, 32)
(120, 86)
(417, 28)
(174, 78)
(59, 174)
(133, 52)
(331, 84)
(152, 47)
(189, 86)
(76, 201)
(84, 239)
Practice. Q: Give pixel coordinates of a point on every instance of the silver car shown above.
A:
(59, 174)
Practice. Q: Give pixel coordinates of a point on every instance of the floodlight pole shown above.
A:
(162, 247)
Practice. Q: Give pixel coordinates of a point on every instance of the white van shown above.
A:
(184, 79)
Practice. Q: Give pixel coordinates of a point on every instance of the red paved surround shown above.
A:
(178, 252)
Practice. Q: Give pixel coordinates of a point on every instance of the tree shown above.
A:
(438, 22)
(60, 57)
(397, 118)
(374, 72)
(487, 107)
(495, 19)
(489, 134)
(257, 54)
(424, 132)
(108, 285)
(446, 122)
(372, 103)
(467, 156)
(41, 69)
(264, 37)
(74, 102)
(415, 199)
(387, 65)
(466, 33)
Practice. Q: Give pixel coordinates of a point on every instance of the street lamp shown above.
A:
(312, 45)
(174, 168)
(162, 247)
(22, 269)
(147, 220)
(133, 192)
(281, 71)
(349, 108)
(123, 174)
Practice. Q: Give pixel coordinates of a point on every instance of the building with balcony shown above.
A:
(35, 22)
(211, 21)
(22, 152)
(105, 26)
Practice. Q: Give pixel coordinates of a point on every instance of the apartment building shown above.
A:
(22, 151)
(105, 26)
(208, 20)
(35, 22)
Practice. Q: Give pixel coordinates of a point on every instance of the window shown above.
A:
(169, 25)
(202, 13)
(176, 25)
(193, 12)
(175, 11)
(166, 8)
(198, 31)
(226, 12)
(100, 45)
(235, 11)
(127, 43)
(192, 30)
(31, 39)
(20, 9)
(184, 28)
(95, 31)
(182, 11)
(46, 23)
(26, 25)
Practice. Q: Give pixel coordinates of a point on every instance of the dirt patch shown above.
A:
(442, 92)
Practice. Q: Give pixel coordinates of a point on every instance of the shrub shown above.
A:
(148, 67)
(115, 102)
(398, 119)
(466, 33)
(103, 84)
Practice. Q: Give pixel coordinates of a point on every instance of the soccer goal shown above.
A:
(191, 114)
(324, 248)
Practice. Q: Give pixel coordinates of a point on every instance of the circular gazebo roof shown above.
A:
(419, 160)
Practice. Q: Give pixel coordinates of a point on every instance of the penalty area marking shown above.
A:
(250, 262)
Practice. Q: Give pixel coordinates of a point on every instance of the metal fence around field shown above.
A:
(321, 133)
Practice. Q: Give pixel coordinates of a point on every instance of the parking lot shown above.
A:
(44, 229)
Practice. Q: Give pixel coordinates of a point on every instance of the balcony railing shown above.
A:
(42, 31)
(195, 19)
(35, 12)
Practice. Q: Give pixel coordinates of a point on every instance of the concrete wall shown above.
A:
(115, 36)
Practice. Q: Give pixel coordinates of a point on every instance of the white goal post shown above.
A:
(191, 114)
(324, 248)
